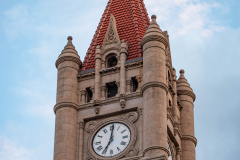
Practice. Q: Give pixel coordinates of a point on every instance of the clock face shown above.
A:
(111, 139)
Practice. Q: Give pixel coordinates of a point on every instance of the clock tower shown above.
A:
(124, 100)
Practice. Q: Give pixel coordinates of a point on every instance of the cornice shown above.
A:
(134, 65)
(190, 138)
(154, 38)
(65, 104)
(87, 76)
(188, 93)
(154, 84)
(111, 70)
(68, 58)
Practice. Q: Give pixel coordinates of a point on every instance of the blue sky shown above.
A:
(205, 38)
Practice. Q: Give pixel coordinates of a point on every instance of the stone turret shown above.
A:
(187, 97)
(68, 65)
(154, 92)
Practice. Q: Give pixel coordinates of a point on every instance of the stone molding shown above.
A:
(190, 138)
(65, 104)
(86, 76)
(156, 147)
(160, 157)
(111, 70)
(188, 93)
(154, 84)
(154, 38)
(83, 92)
(134, 65)
(68, 58)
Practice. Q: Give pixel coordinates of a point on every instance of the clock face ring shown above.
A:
(111, 140)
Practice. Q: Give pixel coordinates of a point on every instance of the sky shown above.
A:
(205, 42)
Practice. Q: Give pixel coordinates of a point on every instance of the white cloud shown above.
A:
(180, 17)
(9, 150)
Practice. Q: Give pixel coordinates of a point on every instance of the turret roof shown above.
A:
(132, 22)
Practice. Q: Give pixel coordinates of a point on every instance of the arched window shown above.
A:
(169, 77)
(112, 62)
(170, 151)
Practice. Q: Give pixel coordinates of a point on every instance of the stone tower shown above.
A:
(124, 101)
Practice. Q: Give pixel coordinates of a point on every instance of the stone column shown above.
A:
(118, 85)
(103, 64)
(175, 105)
(97, 74)
(129, 82)
(187, 97)
(83, 96)
(154, 93)
(123, 57)
(140, 110)
(68, 65)
(103, 89)
(81, 140)
(178, 153)
(93, 92)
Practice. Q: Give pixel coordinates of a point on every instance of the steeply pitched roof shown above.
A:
(132, 22)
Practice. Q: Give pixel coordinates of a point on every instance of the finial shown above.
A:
(182, 71)
(98, 47)
(154, 17)
(123, 41)
(70, 38)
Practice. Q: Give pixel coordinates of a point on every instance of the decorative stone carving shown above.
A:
(104, 88)
(97, 109)
(90, 126)
(111, 34)
(140, 111)
(81, 125)
(132, 117)
(123, 103)
(132, 152)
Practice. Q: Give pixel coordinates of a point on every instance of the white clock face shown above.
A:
(111, 139)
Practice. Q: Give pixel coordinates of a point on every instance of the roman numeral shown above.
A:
(97, 143)
(100, 136)
(105, 131)
(123, 131)
(125, 137)
(111, 151)
(104, 151)
(118, 128)
(123, 143)
(99, 148)
(118, 149)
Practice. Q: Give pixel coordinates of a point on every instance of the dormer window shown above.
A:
(112, 61)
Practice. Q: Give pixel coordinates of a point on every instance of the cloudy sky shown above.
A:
(205, 41)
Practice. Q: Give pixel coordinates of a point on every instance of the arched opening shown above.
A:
(169, 77)
(89, 94)
(112, 62)
(134, 84)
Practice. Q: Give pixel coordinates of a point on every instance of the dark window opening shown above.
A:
(89, 94)
(135, 84)
(112, 61)
(170, 103)
(169, 77)
(112, 89)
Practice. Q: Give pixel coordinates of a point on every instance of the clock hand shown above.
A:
(111, 138)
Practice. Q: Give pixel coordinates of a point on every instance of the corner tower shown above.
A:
(124, 102)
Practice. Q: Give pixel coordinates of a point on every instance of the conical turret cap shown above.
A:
(69, 49)
(154, 32)
(182, 83)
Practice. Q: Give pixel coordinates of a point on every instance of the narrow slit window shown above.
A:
(89, 94)
(134, 84)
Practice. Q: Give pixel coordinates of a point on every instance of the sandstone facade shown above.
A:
(121, 82)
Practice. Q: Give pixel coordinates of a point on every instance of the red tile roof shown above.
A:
(132, 21)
